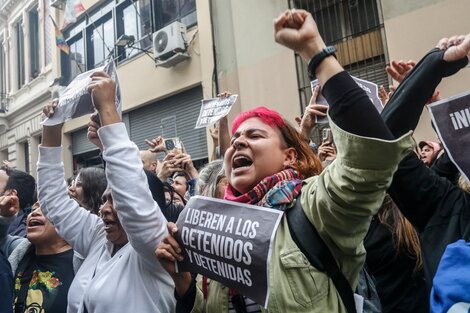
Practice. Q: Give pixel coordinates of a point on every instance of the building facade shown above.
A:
(229, 47)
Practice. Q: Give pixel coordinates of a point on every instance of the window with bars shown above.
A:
(355, 28)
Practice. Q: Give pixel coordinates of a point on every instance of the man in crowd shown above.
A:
(150, 161)
(24, 186)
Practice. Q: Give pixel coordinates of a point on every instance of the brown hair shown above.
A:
(404, 235)
(308, 164)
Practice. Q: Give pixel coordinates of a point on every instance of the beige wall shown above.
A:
(414, 27)
(249, 61)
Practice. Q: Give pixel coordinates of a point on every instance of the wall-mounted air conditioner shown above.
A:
(169, 45)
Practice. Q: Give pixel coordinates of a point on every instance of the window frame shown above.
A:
(34, 43)
(20, 53)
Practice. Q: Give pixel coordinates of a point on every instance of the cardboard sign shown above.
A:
(451, 118)
(76, 101)
(371, 89)
(214, 109)
(229, 242)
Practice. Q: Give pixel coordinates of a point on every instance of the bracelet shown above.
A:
(318, 58)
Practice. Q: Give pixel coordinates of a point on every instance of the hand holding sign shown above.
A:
(229, 242)
(214, 109)
(76, 100)
(92, 134)
(168, 252)
(103, 91)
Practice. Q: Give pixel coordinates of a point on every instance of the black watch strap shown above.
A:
(318, 58)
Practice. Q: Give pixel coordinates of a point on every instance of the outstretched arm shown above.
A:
(76, 225)
(297, 30)
(417, 190)
(404, 109)
(139, 214)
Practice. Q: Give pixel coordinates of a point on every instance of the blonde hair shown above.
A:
(463, 184)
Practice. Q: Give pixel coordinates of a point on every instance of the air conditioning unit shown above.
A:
(169, 45)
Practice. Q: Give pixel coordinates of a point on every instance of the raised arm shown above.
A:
(139, 214)
(297, 30)
(417, 190)
(403, 110)
(75, 224)
(341, 200)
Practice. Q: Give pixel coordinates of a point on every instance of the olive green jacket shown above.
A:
(339, 203)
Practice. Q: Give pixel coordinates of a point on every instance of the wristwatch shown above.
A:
(318, 58)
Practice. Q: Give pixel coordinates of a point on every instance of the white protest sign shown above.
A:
(229, 242)
(371, 89)
(76, 101)
(451, 118)
(214, 109)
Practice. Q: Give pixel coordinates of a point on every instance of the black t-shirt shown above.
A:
(44, 284)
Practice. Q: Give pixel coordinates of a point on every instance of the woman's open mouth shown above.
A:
(108, 224)
(33, 222)
(241, 163)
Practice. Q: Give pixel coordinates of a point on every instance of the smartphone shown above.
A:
(173, 145)
(327, 136)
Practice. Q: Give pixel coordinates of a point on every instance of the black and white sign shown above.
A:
(76, 101)
(214, 109)
(371, 89)
(451, 118)
(229, 242)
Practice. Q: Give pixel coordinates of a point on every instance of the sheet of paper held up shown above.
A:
(75, 101)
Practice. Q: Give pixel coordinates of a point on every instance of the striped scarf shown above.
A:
(271, 192)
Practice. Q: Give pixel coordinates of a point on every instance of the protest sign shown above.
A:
(371, 89)
(76, 101)
(229, 242)
(451, 117)
(214, 109)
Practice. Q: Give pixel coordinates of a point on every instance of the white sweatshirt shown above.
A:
(132, 280)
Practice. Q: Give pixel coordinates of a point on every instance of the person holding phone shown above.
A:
(327, 150)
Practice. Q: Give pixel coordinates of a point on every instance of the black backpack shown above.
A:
(319, 255)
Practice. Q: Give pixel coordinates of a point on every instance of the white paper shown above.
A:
(76, 101)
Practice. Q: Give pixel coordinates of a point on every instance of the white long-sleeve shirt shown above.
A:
(132, 280)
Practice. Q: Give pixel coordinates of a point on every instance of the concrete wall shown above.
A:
(249, 61)
(414, 27)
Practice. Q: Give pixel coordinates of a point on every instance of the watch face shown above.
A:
(330, 49)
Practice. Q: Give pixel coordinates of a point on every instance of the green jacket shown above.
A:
(339, 203)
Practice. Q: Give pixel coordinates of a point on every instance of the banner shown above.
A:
(451, 117)
(76, 101)
(59, 38)
(371, 89)
(229, 242)
(214, 109)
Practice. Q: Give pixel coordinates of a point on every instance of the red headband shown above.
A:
(267, 116)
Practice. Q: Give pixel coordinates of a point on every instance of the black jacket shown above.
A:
(438, 209)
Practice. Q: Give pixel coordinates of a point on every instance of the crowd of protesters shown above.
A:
(105, 240)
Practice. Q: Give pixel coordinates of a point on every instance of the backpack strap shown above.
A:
(312, 246)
